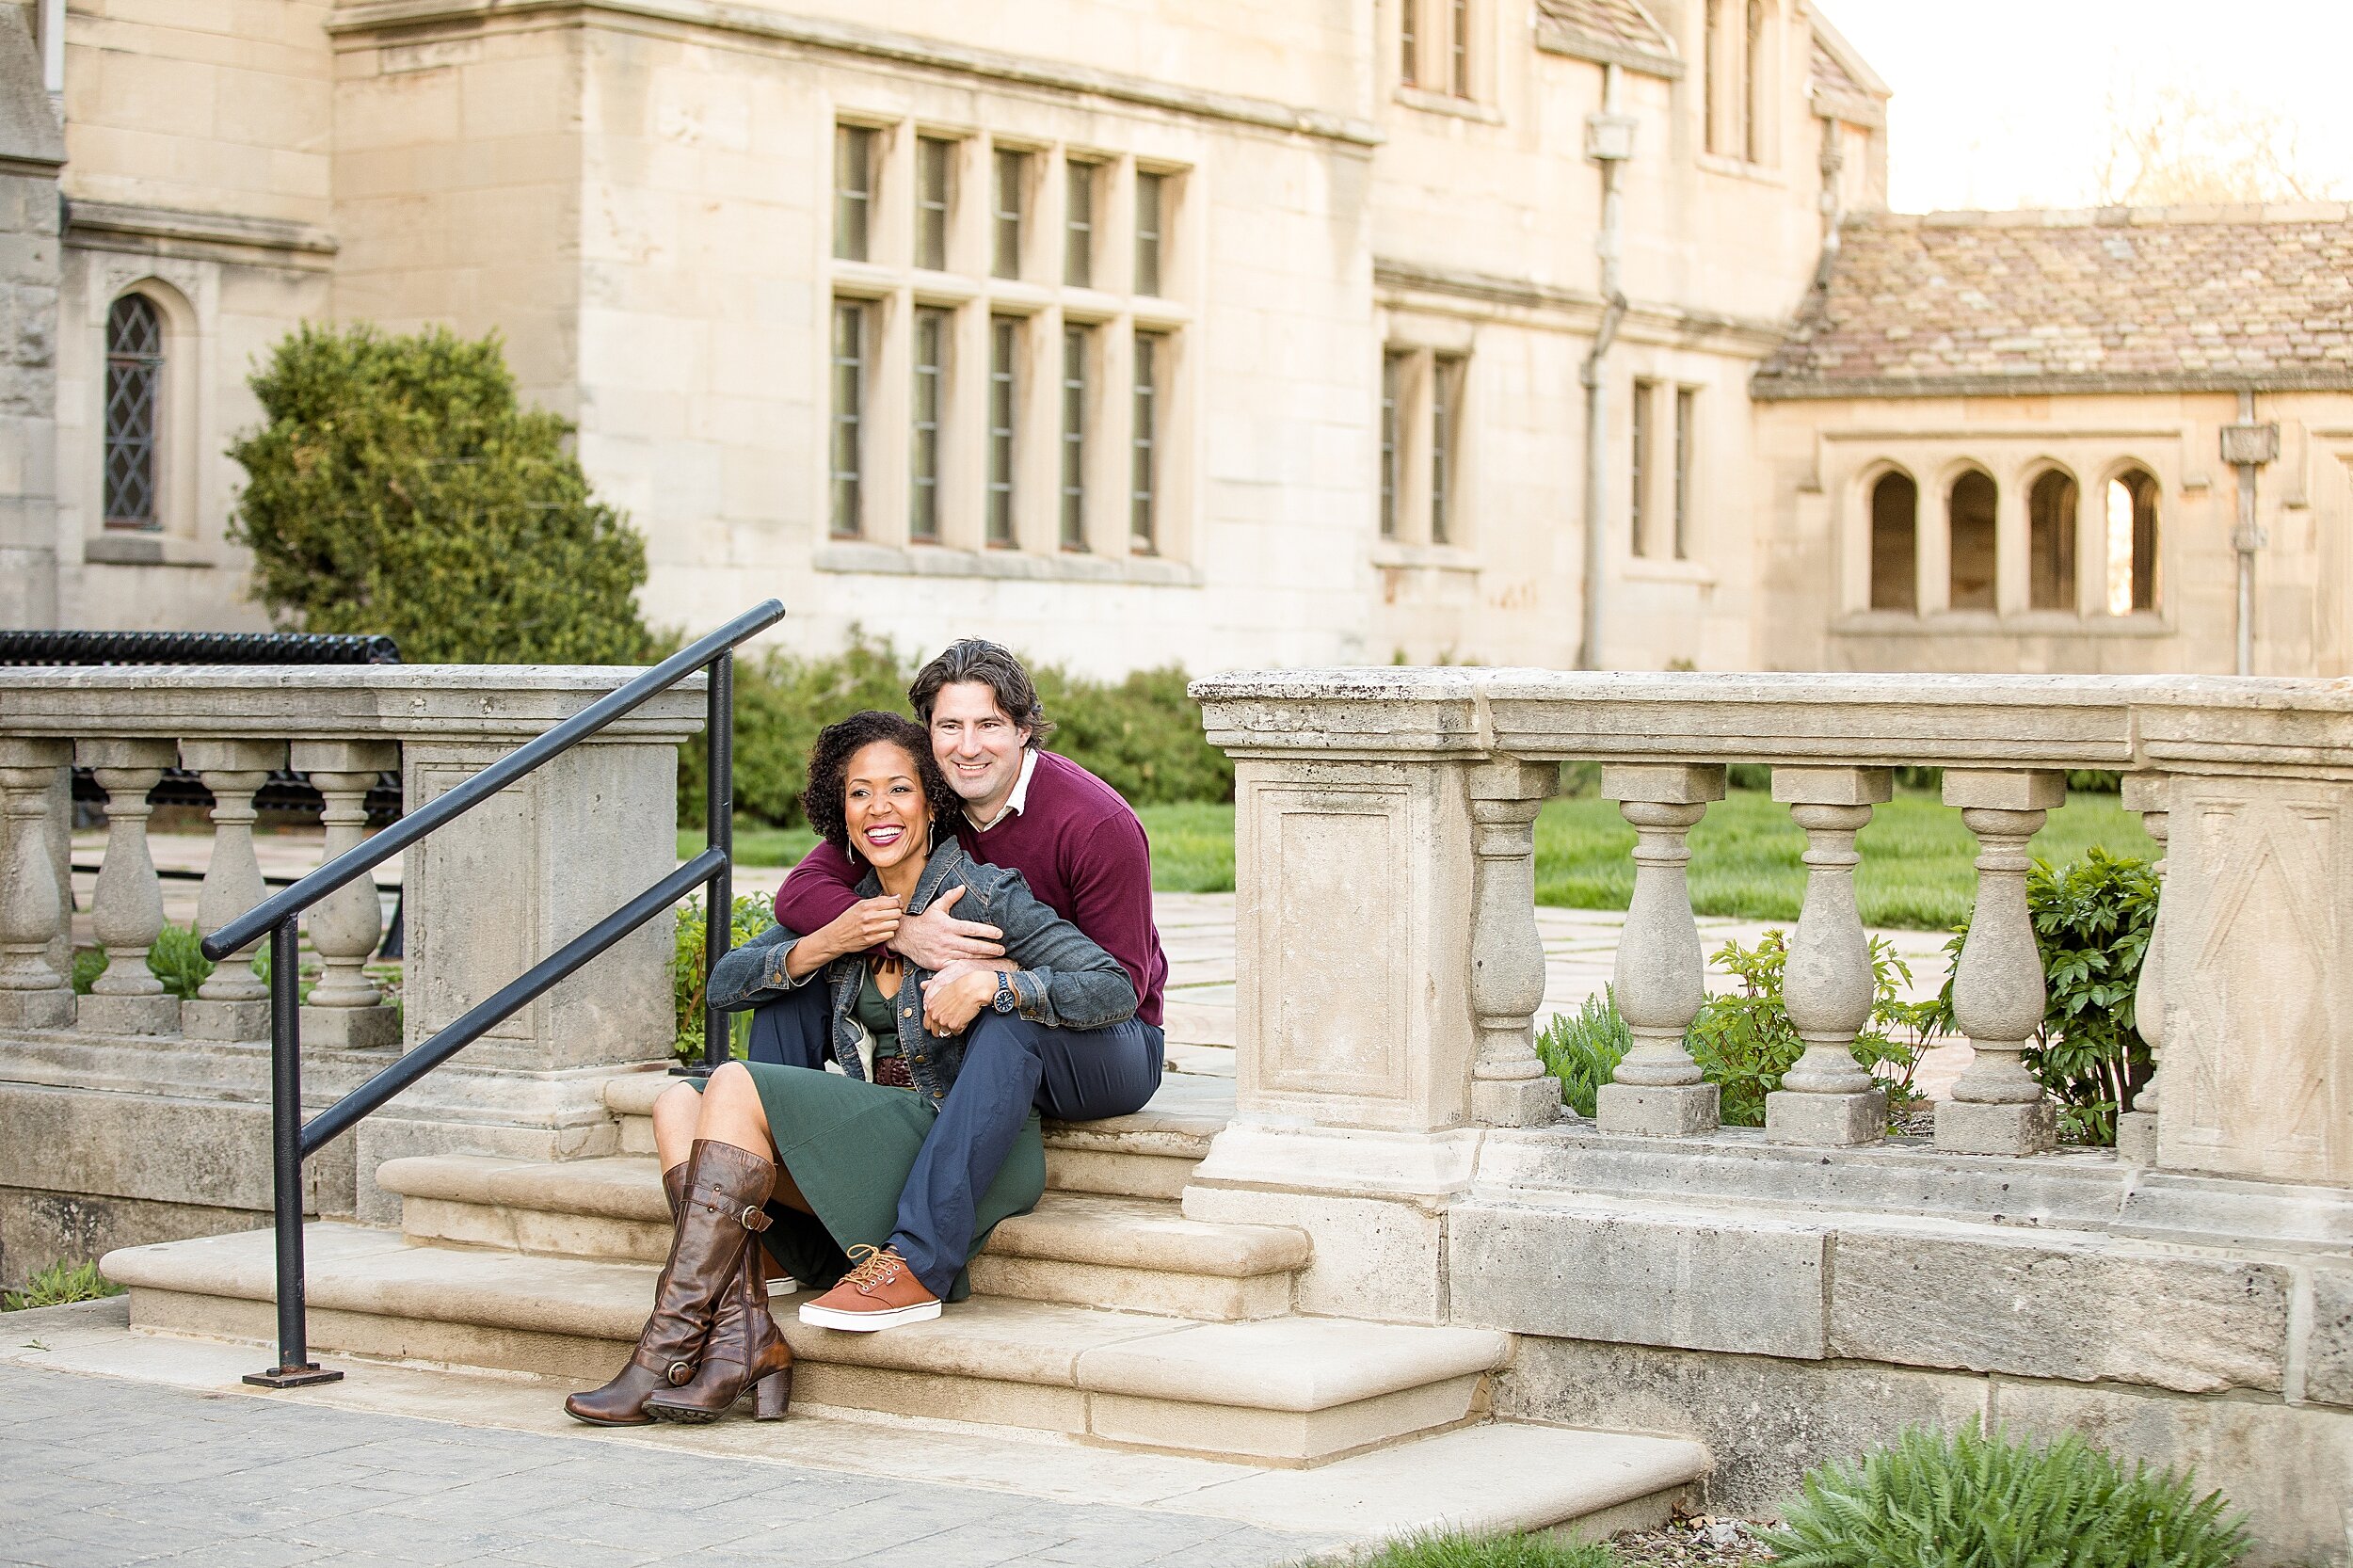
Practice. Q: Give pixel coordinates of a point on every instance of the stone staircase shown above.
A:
(546, 1269)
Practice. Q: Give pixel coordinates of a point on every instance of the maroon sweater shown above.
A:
(1075, 842)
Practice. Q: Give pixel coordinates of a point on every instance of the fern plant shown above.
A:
(1583, 1048)
(1972, 1500)
(752, 916)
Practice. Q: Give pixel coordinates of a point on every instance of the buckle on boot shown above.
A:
(681, 1373)
(755, 1217)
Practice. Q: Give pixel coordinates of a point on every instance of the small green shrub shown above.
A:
(754, 914)
(177, 961)
(59, 1284)
(399, 486)
(1744, 1042)
(1583, 1048)
(1968, 1500)
(89, 964)
(2091, 918)
(1462, 1550)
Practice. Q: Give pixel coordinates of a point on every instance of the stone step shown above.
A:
(1079, 1248)
(1150, 1154)
(1286, 1391)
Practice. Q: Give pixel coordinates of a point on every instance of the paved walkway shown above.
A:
(101, 1471)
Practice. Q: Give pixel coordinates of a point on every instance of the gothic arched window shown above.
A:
(1969, 514)
(134, 384)
(2050, 542)
(1894, 542)
(2132, 534)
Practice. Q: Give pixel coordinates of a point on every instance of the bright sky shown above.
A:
(2005, 102)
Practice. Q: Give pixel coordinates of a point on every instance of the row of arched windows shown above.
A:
(2126, 538)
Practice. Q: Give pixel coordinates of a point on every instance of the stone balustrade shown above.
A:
(484, 898)
(1388, 965)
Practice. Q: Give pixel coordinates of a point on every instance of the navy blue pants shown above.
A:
(1010, 1066)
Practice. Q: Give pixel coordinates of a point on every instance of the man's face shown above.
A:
(978, 746)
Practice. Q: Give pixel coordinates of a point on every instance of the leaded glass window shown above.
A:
(135, 385)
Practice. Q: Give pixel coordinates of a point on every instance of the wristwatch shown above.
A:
(1006, 1001)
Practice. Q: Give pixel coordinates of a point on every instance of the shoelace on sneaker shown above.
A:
(878, 1267)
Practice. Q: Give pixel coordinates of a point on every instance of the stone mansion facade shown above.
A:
(1213, 333)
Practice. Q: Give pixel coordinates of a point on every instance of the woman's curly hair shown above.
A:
(829, 761)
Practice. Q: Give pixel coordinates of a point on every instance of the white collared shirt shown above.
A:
(1020, 796)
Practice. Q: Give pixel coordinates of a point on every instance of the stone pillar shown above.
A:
(127, 909)
(232, 1003)
(1510, 1087)
(1660, 980)
(32, 148)
(1827, 1098)
(1997, 1107)
(345, 1009)
(34, 993)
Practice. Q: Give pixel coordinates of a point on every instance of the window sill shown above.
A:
(1642, 569)
(1740, 168)
(1426, 557)
(848, 555)
(1446, 104)
(125, 546)
(1986, 623)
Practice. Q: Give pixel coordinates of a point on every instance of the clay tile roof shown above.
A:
(1619, 30)
(2158, 299)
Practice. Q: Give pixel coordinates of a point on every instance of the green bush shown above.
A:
(89, 964)
(2091, 918)
(1744, 1042)
(1141, 735)
(1583, 1048)
(754, 914)
(59, 1284)
(177, 961)
(398, 487)
(1974, 1501)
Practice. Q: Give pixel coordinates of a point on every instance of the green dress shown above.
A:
(848, 1145)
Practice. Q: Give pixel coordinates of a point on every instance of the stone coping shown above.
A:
(421, 702)
(2048, 721)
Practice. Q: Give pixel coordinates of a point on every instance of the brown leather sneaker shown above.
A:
(879, 1293)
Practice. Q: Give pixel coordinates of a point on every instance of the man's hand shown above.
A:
(935, 938)
(870, 922)
(948, 1004)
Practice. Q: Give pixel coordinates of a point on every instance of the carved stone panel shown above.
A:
(2257, 997)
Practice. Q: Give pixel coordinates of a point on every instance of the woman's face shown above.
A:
(882, 803)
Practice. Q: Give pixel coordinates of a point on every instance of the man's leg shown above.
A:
(795, 1029)
(1010, 1065)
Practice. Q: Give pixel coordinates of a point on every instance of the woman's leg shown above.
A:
(727, 1110)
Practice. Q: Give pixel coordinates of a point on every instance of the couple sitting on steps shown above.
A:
(969, 946)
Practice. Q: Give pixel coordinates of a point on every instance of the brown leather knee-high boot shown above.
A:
(719, 1213)
(744, 1350)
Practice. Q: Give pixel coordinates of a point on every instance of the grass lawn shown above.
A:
(1915, 868)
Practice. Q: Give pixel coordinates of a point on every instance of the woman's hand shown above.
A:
(870, 922)
(948, 1004)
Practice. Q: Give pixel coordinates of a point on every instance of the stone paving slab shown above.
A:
(189, 1470)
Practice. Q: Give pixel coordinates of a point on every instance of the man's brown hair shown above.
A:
(979, 659)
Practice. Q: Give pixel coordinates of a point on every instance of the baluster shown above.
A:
(127, 910)
(2136, 1128)
(1826, 1097)
(33, 992)
(345, 1008)
(1997, 1107)
(1661, 978)
(232, 1003)
(1508, 1086)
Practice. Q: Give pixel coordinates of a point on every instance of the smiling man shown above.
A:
(1084, 855)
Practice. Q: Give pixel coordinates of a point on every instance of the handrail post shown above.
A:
(719, 834)
(294, 1366)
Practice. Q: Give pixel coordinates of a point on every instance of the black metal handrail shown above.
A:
(291, 1141)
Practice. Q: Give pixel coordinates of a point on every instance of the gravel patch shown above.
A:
(1698, 1541)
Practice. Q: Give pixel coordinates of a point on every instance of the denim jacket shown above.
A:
(1061, 979)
